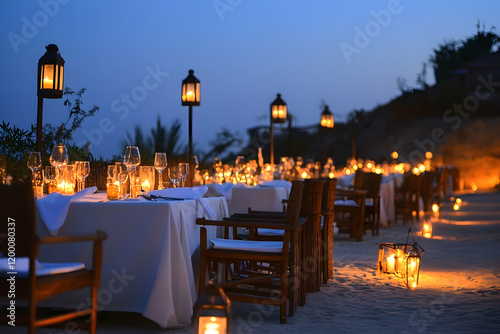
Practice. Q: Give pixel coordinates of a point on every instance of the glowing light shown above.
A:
(394, 155)
(428, 155)
(456, 207)
(473, 186)
(331, 175)
(459, 201)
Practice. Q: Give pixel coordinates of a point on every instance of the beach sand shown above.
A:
(458, 292)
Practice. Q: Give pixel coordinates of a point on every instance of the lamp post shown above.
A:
(190, 97)
(278, 115)
(50, 84)
(327, 122)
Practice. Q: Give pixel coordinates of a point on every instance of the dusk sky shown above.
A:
(132, 55)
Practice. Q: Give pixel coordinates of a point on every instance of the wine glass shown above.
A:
(82, 170)
(174, 176)
(34, 162)
(121, 174)
(183, 170)
(132, 158)
(160, 165)
(59, 156)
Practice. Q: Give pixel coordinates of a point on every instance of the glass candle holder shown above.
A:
(147, 174)
(37, 182)
(66, 180)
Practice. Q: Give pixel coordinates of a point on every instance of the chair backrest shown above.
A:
(328, 199)
(294, 202)
(371, 183)
(311, 198)
(17, 208)
(358, 179)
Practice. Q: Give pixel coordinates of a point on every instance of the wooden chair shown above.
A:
(311, 241)
(371, 183)
(18, 207)
(327, 211)
(278, 261)
(350, 212)
(407, 197)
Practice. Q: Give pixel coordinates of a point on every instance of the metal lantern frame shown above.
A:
(327, 120)
(401, 260)
(278, 114)
(212, 311)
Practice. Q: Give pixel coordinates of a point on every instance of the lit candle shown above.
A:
(47, 83)
(390, 263)
(145, 186)
(112, 191)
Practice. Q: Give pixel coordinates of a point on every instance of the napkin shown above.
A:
(219, 190)
(53, 208)
(195, 193)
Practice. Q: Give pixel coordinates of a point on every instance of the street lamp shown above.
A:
(50, 84)
(212, 311)
(278, 115)
(327, 122)
(190, 97)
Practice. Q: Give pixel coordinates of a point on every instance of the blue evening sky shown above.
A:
(132, 55)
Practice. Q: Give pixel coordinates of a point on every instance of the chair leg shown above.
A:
(93, 306)
(203, 259)
(284, 295)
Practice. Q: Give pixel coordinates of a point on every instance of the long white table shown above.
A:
(147, 266)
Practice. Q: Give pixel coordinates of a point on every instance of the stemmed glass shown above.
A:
(174, 176)
(82, 170)
(121, 174)
(132, 158)
(160, 165)
(59, 156)
(183, 170)
(34, 162)
(51, 175)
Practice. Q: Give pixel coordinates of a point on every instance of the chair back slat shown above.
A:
(294, 202)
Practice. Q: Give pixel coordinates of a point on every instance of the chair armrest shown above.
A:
(351, 193)
(276, 224)
(98, 236)
(261, 214)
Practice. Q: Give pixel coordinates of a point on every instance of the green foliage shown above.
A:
(224, 140)
(453, 55)
(16, 143)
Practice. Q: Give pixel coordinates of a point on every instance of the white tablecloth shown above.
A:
(265, 198)
(147, 266)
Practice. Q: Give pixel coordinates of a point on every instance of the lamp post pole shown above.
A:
(50, 83)
(39, 125)
(190, 97)
(271, 149)
(324, 145)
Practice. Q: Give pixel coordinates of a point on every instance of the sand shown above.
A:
(458, 292)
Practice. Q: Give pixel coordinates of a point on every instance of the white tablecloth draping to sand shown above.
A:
(264, 198)
(147, 258)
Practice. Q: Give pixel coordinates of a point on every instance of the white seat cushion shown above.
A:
(247, 245)
(269, 232)
(346, 202)
(21, 267)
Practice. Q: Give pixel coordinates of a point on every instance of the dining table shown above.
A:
(149, 262)
(263, 197)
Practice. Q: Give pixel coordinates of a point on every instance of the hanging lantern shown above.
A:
(190, 90)
(278, 110)
(212, 311)
(51, 73)
(327, 118)
(401, 260)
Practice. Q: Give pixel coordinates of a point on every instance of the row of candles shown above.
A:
(253, 171)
